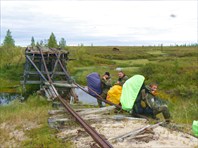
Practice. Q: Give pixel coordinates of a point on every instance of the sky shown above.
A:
(101, 23)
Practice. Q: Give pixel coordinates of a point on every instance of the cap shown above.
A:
(107, 73)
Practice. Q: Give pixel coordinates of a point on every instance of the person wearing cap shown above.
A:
(121, 78)
(106, 84)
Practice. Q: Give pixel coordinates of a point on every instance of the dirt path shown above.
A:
(108, 125)
(111, 127)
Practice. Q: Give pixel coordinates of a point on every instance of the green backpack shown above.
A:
(130, 91)
(195, 128)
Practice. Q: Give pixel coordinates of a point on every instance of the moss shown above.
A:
(45, 137)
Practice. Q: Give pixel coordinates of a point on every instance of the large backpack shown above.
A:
(94, 84)
(130, 91)
(114, 94)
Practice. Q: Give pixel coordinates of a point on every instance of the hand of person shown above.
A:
(104, 77)
(118, 82)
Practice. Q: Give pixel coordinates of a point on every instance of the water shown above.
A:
(85, 98)
(6, 98)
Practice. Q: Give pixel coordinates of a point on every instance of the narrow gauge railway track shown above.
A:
(92, 132)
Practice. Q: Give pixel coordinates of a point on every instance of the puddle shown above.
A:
(6, 98)
(85, 98)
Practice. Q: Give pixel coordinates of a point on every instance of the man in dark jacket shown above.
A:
(106, 84)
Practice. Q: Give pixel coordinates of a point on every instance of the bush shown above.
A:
(173, 77)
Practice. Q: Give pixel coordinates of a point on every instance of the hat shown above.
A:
(107, 73)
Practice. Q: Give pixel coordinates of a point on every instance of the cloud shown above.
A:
(101, 22)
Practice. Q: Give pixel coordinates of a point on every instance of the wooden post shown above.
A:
(55, 66)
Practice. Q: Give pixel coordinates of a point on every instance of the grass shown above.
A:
(174, 68)
(188, 111)
(30, 118)
(44, 137)
(127, 63)
(11, 68)
(17, 110)
(11, 56)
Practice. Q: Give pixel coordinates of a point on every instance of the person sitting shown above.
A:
(105, 84)
(121, 78)
(148, 104)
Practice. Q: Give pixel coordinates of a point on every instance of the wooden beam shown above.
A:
(54, 112)
(62, 85)
(97, 110)
(55, 65)
(135, 132)
(30, 82)
(36, 73)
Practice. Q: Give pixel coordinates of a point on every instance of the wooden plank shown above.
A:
(141, 136)
(97, 110)
(36, 73)
(62, 85)
(135, 132)
(47, 93)
(51, 95)
(56, 82)
(132, 118)
(74, 95)
(54, 94)
(54, 112)
(124, 117)
(30, 82)
(55, 66)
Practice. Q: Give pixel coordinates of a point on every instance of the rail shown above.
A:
(98, 96)
(92, 132)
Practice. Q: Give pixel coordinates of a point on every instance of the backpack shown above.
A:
(130, 91)
(114, 94)
(138, 108)
(94, 84)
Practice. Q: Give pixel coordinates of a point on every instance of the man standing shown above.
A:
(106, 84)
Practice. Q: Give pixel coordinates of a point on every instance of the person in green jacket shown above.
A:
(106, 85)
(149, 104)
(121, 78)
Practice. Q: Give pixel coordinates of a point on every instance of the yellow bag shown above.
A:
(114, 94)
(143, 104)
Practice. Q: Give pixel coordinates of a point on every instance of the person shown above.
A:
(147, 103)
(106, 85)
(121, 78)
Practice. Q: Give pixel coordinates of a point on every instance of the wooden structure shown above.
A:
(52, 57)
(42, 61)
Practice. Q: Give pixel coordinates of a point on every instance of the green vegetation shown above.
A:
(52, 43)
(8, 41)
(62, 43)
(44, 137)
(174, 68)
(29, 118)
(32, 42)
(11, 68)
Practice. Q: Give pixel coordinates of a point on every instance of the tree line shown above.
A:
(9, 42)
(52, 42)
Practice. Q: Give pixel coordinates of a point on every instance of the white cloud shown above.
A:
(101, 21)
